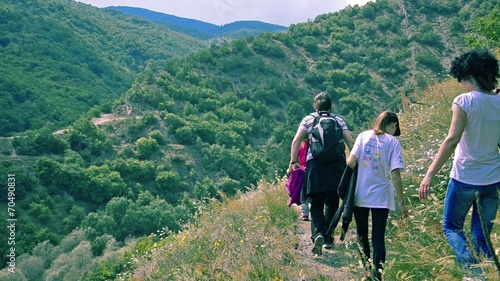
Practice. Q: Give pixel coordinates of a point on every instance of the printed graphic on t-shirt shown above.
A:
(372, 154)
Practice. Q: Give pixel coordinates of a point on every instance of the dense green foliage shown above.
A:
(60, 58)
(217, 121)
(486, 31)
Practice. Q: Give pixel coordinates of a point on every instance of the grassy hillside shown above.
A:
(60, 58)
(217, 121)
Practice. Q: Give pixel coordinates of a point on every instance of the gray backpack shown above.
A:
(326, 141)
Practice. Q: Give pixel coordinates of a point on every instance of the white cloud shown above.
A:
(358, 2)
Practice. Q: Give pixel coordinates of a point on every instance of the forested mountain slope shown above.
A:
(60, 58)
(220, 120)
(369, 59)
(200, 29)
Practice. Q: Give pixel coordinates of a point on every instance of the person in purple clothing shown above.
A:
(304, 206)
(474, 139)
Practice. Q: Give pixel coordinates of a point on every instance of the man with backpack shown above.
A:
(327, 135)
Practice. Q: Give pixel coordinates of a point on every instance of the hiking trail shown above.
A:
(333, 262)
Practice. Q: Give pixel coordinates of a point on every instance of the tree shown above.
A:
(229, 186)
(229, 138)
(310, 44)
(428, 59)
(158, 137)
(40, 211)
(103, 184)
(97, 224)
(173, 122)
(72, 266)
(169, 182)
(186, 135)
(117, 208)
(38, 142)
(134, 170)
(267, 48)
(205, 189)
(356, 108)
(49, 172)
(146, 147)
(486, 31)
(75, 217)
(88, 140)
(32, 267)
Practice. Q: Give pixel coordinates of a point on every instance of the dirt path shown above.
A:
(333, 262)
(106, 118)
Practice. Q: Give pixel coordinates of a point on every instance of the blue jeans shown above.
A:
(459, 199)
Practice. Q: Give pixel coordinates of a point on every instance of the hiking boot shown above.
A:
(328, 242)
(304, 218)
(318, 244)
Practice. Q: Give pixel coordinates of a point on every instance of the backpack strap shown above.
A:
(323, 114)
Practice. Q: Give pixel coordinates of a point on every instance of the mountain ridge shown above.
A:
(201, 29)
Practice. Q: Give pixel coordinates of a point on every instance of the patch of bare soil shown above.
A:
(333, 262)
(106, 118)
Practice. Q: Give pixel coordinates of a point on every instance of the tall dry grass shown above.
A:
(251, 237)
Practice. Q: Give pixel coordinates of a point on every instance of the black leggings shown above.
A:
(379, 223)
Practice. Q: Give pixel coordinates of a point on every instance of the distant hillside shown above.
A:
(200, 29)
(60, 58)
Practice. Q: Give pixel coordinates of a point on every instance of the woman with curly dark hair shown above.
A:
(474, 138)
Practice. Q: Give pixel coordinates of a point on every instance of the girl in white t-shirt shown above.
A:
(378, 155)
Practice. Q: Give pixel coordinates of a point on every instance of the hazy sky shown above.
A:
(282, 12)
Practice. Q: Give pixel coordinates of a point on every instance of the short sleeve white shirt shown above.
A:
(377, 156)
(477, 158)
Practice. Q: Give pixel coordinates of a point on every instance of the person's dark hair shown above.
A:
(322, 102)
(478, 64)
(385, 118)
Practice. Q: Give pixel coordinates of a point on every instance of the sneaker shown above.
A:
(474, 274)
(472, 279)
(328, 242)
(318, 244)
(304, 218)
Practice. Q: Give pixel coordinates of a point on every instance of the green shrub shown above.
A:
(146, 147)
(40, 211)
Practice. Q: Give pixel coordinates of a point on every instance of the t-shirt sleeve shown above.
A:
(305, 124)
(356, 148)
(341, 123)
(464, 102)
(397, 156)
